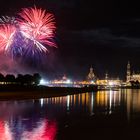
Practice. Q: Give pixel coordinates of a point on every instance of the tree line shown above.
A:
(26, 79)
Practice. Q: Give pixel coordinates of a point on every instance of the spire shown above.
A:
(128, 76)
(91, 69)
(106, 76)
(128, 64)
(64, 77)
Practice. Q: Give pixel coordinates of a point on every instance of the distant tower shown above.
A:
(64, 78)
(91, 75)
(128, 77)
(106, 76)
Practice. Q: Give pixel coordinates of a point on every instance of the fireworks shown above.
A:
(7, 33)
(38, 26)
(33, 31)
(8, 20)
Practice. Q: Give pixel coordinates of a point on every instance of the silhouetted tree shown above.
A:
(19, 79)
(10, 78)
(28, 79)
(2, 78)
(36, 78)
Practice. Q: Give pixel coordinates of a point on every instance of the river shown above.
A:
(97, 115)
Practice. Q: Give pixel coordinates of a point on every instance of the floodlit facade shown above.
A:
(132, 77)
(91, 76)
(109, 82)
(135, 77)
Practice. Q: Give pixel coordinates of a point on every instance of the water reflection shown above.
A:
(43, 131)
(40, 119)
(26, 120)
(106, 102)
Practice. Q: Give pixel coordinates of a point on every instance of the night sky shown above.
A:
(101, 33)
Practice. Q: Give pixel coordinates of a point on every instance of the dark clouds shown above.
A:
(100, 36)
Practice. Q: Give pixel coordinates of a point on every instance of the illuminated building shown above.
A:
(64, 78)
(64, 81)
(132, 77)
(135, 77)
(91, 76)
(109, 82)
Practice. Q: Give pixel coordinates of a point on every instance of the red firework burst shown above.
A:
(7, 32)
(38, 26)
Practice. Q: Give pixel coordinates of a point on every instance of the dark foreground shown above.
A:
(34, 92)
(109, 115)
(101, 127)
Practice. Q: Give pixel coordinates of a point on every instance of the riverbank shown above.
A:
(8, 92)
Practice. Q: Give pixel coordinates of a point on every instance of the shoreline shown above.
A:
(20, 92)
(36, 92)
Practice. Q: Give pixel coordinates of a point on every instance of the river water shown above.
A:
(99, 115)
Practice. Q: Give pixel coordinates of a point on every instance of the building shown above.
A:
(132, 76)
(128, 76)
(135, 77)
(109, 82)
(91, 76)
(62, 82)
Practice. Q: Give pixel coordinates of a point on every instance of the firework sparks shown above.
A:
(6, 36)
(31, 33)
(8, 20)
(38, 26)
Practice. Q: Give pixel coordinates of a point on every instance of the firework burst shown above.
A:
(29, 34)
(38, 26)
(7, 33)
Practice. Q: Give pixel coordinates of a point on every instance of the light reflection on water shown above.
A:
(39, 119)
(44, 131)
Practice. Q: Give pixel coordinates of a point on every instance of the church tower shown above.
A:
(128, 77)
(91, 75)
(106, 76)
